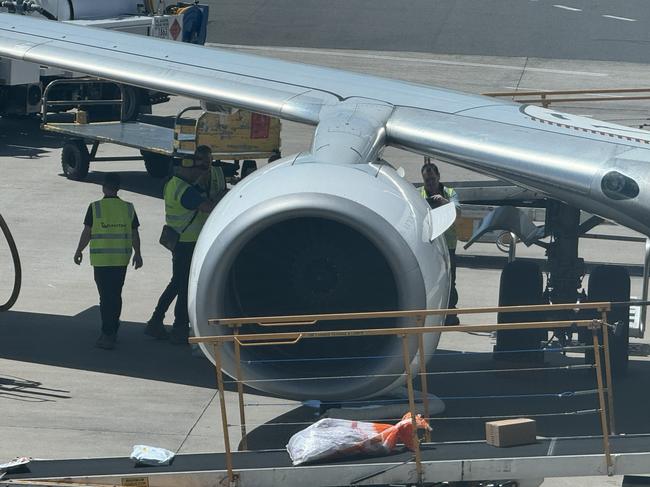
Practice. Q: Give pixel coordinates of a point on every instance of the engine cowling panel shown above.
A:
(299, 237)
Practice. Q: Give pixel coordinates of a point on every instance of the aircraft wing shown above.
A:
(563, 156)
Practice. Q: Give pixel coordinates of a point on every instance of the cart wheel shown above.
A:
(521, 284)
(612, 283)
(75, 160)
(157, 165)
(248, 167)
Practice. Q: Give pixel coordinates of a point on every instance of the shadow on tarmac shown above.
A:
(562, 400)
(133, 181)
(23, 138)
(68, 341)
(24, 390)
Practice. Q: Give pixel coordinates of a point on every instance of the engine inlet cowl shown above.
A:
(289, 242)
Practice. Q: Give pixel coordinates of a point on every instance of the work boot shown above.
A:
(106, 342)
(156, 329)
(452, 320)
(179, 335)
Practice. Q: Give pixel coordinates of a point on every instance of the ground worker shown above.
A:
(111, 228)
(213, 184)
(187, 208)
(437, 195)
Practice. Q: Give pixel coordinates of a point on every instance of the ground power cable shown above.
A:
(17, 269)
(205, 409)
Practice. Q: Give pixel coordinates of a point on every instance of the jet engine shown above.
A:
(301, 237)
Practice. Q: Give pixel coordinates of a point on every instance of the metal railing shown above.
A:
(47, 102)
(597, 326)
(545, 98)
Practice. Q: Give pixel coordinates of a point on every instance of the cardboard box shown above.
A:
(511, 432)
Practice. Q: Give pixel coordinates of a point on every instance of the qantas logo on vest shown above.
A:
(113, 225)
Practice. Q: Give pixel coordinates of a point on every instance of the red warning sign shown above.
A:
(260, 126)
(175, 29)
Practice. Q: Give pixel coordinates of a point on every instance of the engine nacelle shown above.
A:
(301, 237)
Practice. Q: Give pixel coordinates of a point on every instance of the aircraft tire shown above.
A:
(612, 283)
(75, 160)
(521, 283)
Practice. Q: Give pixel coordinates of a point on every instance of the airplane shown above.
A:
(336, 228)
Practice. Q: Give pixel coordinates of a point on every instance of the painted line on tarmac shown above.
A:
(402, 59)
(551, 447)
(619, 18)
(572, 9)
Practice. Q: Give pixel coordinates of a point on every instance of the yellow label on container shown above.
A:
(135, 482)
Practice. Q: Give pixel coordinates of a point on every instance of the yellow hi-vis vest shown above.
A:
(176, 215)
(111, 236)
(451, 236)
(217, 182)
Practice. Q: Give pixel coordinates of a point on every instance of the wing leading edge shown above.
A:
(563, 156)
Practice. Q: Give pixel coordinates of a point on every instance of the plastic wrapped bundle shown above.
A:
(338, 438)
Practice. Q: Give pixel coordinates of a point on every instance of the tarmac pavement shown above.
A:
(571, 29)
(62, 398)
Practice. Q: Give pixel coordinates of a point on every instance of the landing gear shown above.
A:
(521, 283)
(75, 160)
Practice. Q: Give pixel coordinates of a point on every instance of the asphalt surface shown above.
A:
(552, 29)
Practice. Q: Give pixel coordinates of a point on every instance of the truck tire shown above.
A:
(157, 165)
(131, 103)
(521, 283)
(248, 166)
(612, 283)
(75, 160)
(112, 113)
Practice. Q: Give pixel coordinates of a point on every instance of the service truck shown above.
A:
(22, 84)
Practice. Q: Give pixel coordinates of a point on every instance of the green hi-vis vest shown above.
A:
(450, 234)
(111, 236)
(176, 215)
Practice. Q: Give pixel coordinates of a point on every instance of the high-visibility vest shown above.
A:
(451, 236)
(111, 236)
(217, 182)
(176, 215)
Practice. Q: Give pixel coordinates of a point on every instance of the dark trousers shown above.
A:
(110, 281)
(453, 294)
(177, 287)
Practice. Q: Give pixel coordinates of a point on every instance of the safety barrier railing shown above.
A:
(545, 98)
(598, 327)
(66, 104)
